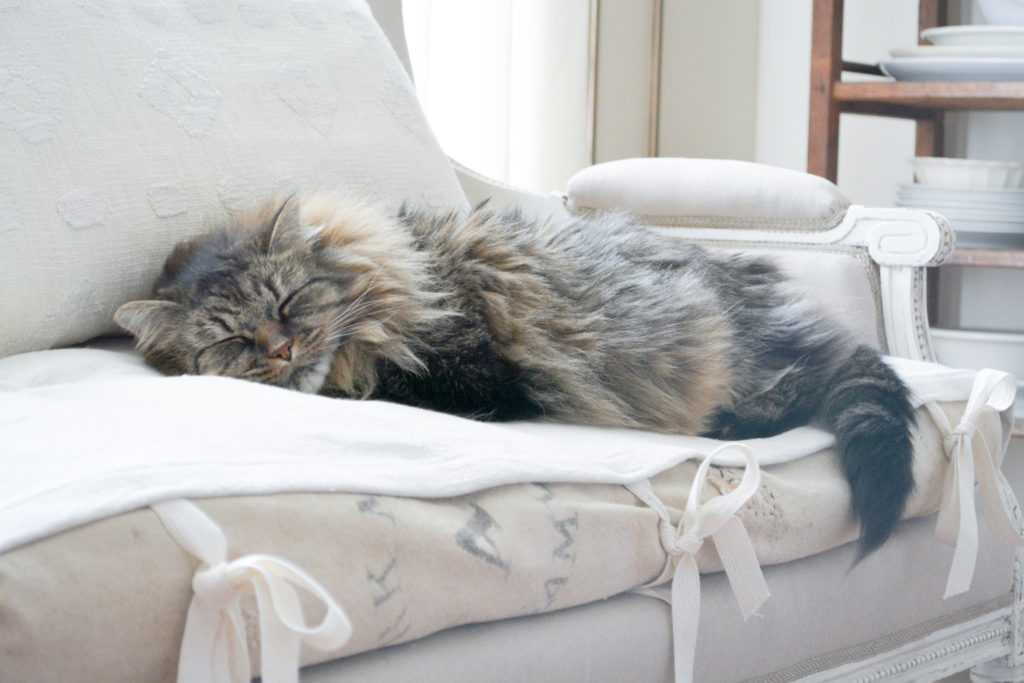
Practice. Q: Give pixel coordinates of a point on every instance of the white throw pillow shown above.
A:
(128, 126)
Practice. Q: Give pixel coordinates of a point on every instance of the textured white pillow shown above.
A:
(127, 126)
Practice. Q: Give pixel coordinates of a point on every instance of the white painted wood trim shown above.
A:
(901, 242)
(935, 656)
(893, 237)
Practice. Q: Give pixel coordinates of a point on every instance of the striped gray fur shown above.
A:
(491, 315)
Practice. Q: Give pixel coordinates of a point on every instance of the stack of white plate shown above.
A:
(983, 200)
(991, 218)
(978, 52)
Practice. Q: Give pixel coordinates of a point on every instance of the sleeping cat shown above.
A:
(491, 315)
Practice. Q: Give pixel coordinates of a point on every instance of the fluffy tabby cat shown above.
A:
(494, 316)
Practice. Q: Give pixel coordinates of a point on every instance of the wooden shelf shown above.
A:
(991, 258)
(924, 102)
(923, 99)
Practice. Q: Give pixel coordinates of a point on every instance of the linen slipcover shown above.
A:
(400, 567)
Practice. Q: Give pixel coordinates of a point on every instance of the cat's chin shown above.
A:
(310, 379)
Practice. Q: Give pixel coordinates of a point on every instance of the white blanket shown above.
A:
(88, 433)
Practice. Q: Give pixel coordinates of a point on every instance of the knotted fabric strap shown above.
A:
(957, 522)
(214, 646)
(715, 518)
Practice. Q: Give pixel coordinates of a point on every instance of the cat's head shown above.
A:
(270, 299)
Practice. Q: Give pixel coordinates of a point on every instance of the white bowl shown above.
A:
(972, 173)
(977, 350)
(1002, 11)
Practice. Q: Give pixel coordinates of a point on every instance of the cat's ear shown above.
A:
(285, 226)
(146, 319)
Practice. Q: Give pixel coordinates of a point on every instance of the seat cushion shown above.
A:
(831, 614)
(111, 593)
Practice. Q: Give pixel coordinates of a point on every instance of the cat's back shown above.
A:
(566, 253)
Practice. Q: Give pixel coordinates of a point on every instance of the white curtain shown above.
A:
(504, 84)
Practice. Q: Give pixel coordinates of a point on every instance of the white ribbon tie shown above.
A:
(214, 647)
(957, 524)
(715, 518)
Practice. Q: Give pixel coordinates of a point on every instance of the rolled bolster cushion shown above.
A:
(709, 193)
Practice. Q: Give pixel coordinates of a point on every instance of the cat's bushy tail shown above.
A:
(868, 408)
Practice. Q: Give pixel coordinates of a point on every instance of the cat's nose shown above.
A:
(272, 337)
(281, 348)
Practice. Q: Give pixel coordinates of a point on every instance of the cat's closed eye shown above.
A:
(221, 354)
(316, 297)
(237, 339)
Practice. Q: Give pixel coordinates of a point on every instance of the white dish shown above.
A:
(987, 194)
(959, 51)
(967, 173)
(969, 222)
(1002, 203)
(1015, 212)
(954, 201)
(954, 212)
(978, 34)
(953, 69)
(964, 202)
(971, 212)
(1014, 232)
(1011, 232)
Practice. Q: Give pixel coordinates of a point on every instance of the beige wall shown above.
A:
(734, 84)
(708, 91)
(709, 79)
(623, 94)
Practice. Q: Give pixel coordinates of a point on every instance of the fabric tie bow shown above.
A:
(214, 647)
(957, 524)
(717, 519)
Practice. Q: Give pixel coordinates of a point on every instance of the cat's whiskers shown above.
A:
(370, 286)
(342, 320)
(347, 328)
(357, 305)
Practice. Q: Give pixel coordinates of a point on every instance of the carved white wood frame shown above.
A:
(936, 656)
(902, 242)
(1010, 666)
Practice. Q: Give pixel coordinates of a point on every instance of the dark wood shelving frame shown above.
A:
(924, 102)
